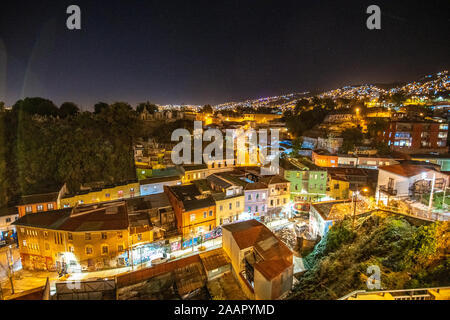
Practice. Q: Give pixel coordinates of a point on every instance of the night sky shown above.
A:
(199, 52)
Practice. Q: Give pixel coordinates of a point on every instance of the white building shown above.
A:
(401, 181)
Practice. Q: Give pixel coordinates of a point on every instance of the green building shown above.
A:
(308, 181)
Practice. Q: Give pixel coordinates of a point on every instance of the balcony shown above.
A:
(388, 190)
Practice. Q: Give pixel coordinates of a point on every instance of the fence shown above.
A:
(130, 278)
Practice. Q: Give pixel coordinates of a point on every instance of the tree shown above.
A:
(301, 105)
(398, 98)
(99, 106)
(376, 127)
(36, 106)
(207, 109)
(351, 137)
(150, 107)
(68, 109)
(297, 145)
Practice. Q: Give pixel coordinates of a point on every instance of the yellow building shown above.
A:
(338, 187)
(80, 238)
(228, 208)
(108, 193)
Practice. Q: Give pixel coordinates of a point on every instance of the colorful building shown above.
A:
(41, 202)
(102, 194)
(308, 181)
(195, 212)
(76, 239)
(322, 158)
(417, 136)
(262, 264)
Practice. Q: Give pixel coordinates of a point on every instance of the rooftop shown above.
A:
(106, 216)
(39, 198)
(276, 256)
(405, 170)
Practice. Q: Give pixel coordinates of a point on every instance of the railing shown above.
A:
(389, 190)
(402, 294)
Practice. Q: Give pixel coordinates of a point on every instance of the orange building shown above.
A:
(195, 212)
(322, 158)
(40, 202)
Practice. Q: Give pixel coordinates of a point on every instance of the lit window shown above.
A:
(28, 209)
(192, 218)
(88, 250)
(104, 236)
(105, 250)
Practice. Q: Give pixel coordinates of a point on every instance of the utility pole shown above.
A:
(443, 198)
(354, 207)
(430, 205)
(10, 268)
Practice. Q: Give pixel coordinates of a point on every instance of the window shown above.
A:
(87, 236)
(230, 206)
(104, 249)
(204, 214)
(8, 220)
(263, 208)
(209, 227)
(71, 249)
(47, 246)
(284, 200)
(28, 209)
(104, 236)
(271, 202)
(192, 218)
(120, 248)
(24, 243)
(263, 195)
(107, 195)
(70, 236)
(210, 213)
(119, 235)
(88, 250)
(256, 208)
(139, 236)
(249, 209)
(221, 208)
(45, 234)
(49, 206)
(237, 204)
(249, 197)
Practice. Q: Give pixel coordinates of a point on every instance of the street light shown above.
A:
(364, 189)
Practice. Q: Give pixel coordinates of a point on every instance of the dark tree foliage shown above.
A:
(36, 106)
(352, 137)
(68, 109)
(150, 107)
(99, 106)
(408, 256)
(42, 153)
(207, 109)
